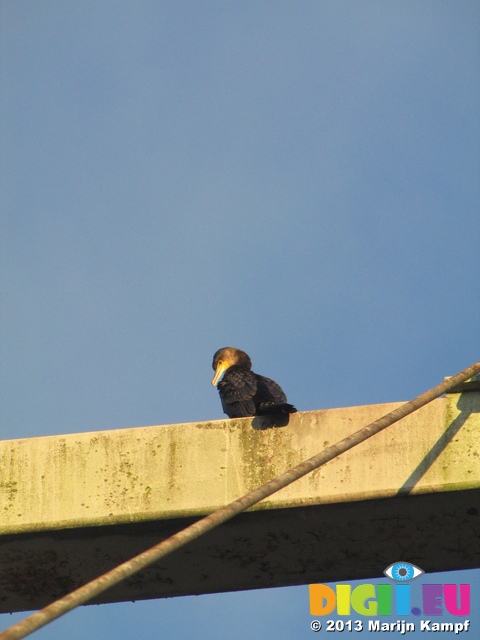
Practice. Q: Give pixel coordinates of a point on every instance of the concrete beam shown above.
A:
(74, 506)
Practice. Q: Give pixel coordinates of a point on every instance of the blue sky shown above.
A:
(298, 179)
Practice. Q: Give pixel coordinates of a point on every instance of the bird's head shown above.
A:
(228, 357)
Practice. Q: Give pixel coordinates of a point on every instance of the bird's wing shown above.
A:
(236, 393)
(269, 390)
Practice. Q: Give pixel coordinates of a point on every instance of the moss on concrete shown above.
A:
(163, 472)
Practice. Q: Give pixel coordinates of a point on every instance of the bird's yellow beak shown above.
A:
(222, 366)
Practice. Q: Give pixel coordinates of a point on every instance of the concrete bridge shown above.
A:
(74, 506)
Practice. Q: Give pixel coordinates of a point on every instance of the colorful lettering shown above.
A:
(384, 595)
(402, 595)
(450, 595)
(343, 599)
(432, 599)
(322, 599)
(360, 596)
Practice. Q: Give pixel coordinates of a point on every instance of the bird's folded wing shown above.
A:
(236, 393)
(238, 386)
(269, 391)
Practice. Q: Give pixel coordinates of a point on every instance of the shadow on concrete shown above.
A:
(467, 404)
(261, 423)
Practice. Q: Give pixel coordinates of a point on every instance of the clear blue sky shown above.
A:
(298, 179)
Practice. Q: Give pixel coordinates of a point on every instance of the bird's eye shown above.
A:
(403, 572)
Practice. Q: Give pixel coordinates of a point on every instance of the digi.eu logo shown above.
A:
(372, 600)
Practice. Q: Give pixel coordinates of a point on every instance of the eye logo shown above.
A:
(403, 572)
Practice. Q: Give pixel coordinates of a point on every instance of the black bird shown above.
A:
(244, 393)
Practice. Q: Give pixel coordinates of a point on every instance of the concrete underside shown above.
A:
(75, 506)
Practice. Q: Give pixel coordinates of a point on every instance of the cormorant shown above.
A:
(245, 393)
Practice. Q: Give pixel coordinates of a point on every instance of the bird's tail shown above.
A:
(272, 408)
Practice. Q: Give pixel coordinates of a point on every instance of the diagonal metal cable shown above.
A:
(102, 583)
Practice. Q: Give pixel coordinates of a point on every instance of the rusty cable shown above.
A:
(102, 583)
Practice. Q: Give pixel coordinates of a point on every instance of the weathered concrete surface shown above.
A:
(74, 506)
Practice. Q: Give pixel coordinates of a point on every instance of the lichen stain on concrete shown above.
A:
(10, 490)
(172, 462)
(61, 451)
(464, 408)
(314, 478)
(42, 575)
(217, 424)
(265, 454)
(116, 472)
(87, 478)
(147, 496)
